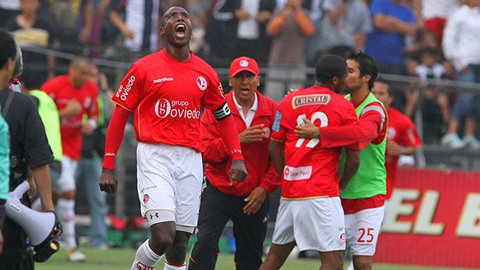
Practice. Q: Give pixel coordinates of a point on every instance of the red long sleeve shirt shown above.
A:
(216, 155)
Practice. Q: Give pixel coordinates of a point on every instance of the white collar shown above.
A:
(254, 107)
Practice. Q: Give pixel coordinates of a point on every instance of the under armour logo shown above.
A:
(156, 215)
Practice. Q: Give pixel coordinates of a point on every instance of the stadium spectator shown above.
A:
(167, 89)
(343, 27)
(364, 197)
(221, 32)
(32, 28)
(139, 28)
(74, 96)
(8, 9)
(253, 17)
(246, 203)
(100, 12)
(90, 167)
(461, 45)
(310, 213)
(433, 14)
(393, 21)
(73, 21)
(402, 136)
(29, 150)
(289, 26)
(428, 98)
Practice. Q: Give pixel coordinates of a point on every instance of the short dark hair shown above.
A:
(8, 49)
(367, 65)
(329, 66)
(382, 80)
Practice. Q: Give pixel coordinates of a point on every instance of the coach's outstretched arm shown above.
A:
(229, 134)
(113, 140)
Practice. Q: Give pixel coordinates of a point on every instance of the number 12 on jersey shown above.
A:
(301, 121)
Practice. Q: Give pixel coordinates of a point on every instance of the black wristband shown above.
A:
(2, 213)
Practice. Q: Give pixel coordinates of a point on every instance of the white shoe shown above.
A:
(453, 141)
(75, 255)
(471, 142)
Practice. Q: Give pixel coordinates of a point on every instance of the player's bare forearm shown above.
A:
(41, 176)
(277, 156)
(351, 166)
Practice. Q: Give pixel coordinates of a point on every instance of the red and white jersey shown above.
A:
(310, 170)
(167, 97)
(61, 90)
(402, 131)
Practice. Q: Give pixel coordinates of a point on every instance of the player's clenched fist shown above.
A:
(238, 172)
(108, 182)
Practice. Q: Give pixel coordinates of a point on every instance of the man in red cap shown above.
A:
(245, 203)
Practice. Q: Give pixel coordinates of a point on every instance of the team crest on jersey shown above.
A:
(307, 100)
(201, 83)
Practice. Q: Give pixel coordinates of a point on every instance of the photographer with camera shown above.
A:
(29, 150)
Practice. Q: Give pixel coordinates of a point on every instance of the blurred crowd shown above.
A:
(429, 39)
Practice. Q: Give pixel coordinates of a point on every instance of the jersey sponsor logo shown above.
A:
(297, 173)
(164, 79)
(317, 99)
(123, 93)
(175, 109)
(276, 124)
(202, 83)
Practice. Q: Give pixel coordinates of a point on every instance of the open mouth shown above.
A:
(180, 30)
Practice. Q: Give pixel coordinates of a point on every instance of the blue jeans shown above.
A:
(88, 174)
(467, 104)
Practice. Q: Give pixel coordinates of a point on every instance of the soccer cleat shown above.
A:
(471, 142)
(74, 255)
(452, 141)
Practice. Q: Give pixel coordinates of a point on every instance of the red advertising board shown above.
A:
(433, 219)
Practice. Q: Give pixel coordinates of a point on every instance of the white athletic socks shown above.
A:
(66, 215)
(145, 258)
(169, 266)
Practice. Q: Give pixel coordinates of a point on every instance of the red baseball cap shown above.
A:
(243, 63)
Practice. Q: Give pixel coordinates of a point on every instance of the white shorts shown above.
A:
(315, 224)
(362, 230)
(66, 181)
(170, 179)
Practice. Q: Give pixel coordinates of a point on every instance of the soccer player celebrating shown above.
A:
(166, 90)
(402, 136)
(310, 214)
(364, 197)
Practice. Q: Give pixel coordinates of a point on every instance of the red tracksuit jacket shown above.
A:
(259, 166)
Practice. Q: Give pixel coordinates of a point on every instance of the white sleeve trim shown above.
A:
(378, 109)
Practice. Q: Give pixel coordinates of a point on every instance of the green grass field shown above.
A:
(119, 259)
